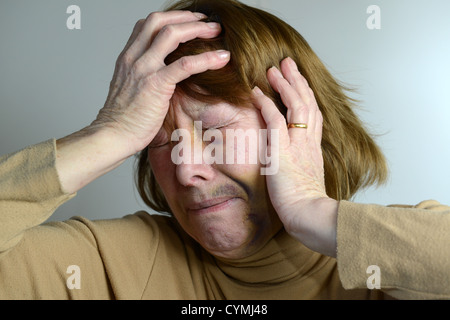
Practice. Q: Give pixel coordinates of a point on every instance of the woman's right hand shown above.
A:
(143, 84)
(139, 96)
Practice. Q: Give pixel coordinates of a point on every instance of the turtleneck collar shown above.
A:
(281, 259)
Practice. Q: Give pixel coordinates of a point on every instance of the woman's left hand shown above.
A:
(297, 190)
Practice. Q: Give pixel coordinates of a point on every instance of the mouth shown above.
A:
(211, 205)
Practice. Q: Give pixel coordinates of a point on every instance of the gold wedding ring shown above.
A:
(298, 125)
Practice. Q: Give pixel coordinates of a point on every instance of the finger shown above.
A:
(315, 116)
(153, 24)
(171, 35)
(297, 110)
(293, 76)
(137, 28)
(120, 65)
(298, 81)
(272, 117)
(186, 66)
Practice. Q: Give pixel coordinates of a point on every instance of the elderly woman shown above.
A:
(231, 232)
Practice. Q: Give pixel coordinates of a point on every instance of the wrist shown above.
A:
(85, 155)
(318, 228)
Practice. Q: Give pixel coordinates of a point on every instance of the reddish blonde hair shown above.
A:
(257, 41)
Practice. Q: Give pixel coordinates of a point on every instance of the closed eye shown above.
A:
(213, 128)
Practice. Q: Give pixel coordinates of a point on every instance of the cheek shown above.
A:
(243, 156)
(162, 168)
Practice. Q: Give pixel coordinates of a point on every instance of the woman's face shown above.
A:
(223, 206)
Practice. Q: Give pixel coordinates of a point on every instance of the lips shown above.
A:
(210, 205)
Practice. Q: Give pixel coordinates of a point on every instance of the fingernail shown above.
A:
(213, 25)
(276, 72)
(200, 15)
(223, 54)
(257, 91)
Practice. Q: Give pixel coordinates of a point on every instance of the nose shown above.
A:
(192, 170)
(191, 175)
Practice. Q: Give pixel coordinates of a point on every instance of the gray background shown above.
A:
(53, 81)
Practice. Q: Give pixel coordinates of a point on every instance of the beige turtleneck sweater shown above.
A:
(143, 256)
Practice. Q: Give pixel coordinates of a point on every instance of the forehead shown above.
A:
(207, 112)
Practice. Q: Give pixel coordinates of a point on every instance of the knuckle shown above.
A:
(126, 59)
(138, 67)
(186, 64)
(296, 82)
(112, 85)
(302, 109)
(119, 62)
(139, 23)
(154, 16)
(154, 20)
(167, 31)
(305, 81)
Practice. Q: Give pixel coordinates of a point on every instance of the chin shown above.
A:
(225, 234)
(226, 244)
(230, 231)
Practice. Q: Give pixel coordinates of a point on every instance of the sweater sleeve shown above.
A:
(29, 191)
(407, 248)
(57, 260)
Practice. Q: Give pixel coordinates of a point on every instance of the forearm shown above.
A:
(318, 231)
(29, 191)
(86, 155)
(39, 178)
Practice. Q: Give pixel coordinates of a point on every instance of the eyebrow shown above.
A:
(210, 113)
